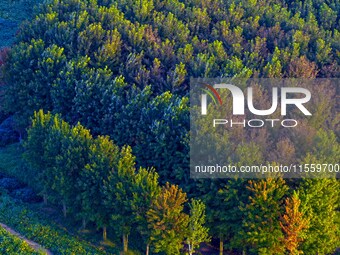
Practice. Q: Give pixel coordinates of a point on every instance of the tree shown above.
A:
(145, 190)
(320, 202)
(118, 192)
(293, 224)
(197, 232)
(35, 149)
(262, 233)
(167, 221)
(224, 218)
(69, 162)
(103, 161)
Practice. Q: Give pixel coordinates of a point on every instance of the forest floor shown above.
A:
(37, 247)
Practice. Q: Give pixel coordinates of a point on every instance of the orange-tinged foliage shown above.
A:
(292, 224)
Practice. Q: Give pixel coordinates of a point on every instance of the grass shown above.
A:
(36, 227)
(12, 245)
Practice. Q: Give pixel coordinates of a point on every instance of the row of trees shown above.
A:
(97, 181)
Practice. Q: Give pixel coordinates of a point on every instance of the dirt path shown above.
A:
(34, 245)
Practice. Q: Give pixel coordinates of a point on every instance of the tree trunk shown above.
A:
(64, 209)
(83, 224)
(190, 248)
(45, 199)
(104, 234)
(221, 246)
(125, 242)
(243, 252)
(147, 249)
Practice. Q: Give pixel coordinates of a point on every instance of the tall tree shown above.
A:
(118, 191)
(145, 190)
(71, 160)
(197, 233)
(320, 202)
(167, 221)
(262, 233)
(35, 149)
(103, 161)
(293, 223)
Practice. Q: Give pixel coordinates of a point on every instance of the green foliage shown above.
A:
(35, 149)
(103, 159)
(12, 245)
(320, 203)
(118, 194)
(145, 190)
(37, 228)
(262, 232)
(121, 68)
(167, 221)
(107, 63)
(197, 232)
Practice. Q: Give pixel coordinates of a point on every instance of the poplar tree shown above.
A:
(167, 221)
(118, 192)
(35, 149)
(69, 163)
(103, 161)
(145, 190)
(293, 224)
(197, 233)
(262, 233)
(320, 202)
(58, 131)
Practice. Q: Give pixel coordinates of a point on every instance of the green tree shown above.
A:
(320, 203)
(197, 232)
(52, 149)
(118, 192)
(71, 160)
(35, 149)
(167, 221)
(103, 160)
(145, 190)
(262, 232)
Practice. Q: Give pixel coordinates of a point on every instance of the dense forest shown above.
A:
(98, 93)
